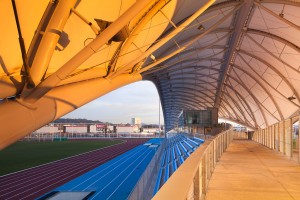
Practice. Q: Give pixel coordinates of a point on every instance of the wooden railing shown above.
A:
(191, 180)
(279, 137)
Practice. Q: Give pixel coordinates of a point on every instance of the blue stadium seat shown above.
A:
(200, 140)
(192, 141)
(178, 148)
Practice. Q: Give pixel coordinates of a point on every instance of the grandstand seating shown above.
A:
(177, 149)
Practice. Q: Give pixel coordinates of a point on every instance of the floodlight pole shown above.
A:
(159, 116)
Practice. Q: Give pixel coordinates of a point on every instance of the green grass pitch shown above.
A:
(25, 154)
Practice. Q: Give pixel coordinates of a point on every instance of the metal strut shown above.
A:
(28, 79)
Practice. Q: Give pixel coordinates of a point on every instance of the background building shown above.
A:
(136, 121)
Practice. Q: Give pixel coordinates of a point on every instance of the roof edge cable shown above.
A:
(93, 27)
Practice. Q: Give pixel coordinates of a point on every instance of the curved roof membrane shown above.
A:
(242, 57)
(239, 56)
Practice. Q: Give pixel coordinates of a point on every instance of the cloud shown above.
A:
(135, 100)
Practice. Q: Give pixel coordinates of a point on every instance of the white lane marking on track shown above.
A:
(118, 164)
(119, 174)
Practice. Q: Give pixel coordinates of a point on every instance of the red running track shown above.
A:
(34, 182)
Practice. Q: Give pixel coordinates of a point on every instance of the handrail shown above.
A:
(190, 181)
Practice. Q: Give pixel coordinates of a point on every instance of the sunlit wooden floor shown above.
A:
(250, 171)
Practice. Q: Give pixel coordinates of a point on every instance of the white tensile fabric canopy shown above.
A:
(242, 57)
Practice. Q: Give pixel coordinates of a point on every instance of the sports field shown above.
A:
(25, 154)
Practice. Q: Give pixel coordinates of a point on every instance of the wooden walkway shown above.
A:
(250, 171)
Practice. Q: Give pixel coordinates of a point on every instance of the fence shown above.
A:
(191, 180)
(279, 137)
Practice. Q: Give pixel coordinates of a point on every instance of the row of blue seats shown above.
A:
(177, 150)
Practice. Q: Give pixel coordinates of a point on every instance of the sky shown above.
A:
(138, 99)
